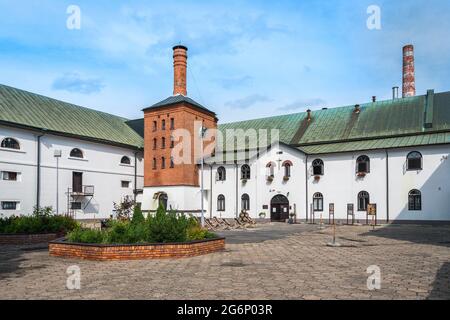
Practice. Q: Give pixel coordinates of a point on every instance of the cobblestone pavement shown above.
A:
(274, 261)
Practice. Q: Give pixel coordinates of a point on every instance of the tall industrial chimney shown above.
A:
(179, 70)
(409, 79)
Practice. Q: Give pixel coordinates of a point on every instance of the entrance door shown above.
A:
(77, 182)
(279, 208)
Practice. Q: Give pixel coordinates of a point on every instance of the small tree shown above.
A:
(138, 217)
(124, 208)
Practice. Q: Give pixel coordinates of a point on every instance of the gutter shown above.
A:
(135, 177)
(211, 190)
(38, 171)
(237, 191)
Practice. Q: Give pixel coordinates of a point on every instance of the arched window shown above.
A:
(155, 143)
(163, 143)
(163, 124)
(125, 160)
(245, 202)
(154, 164)
(162, 200)
(363, 164)
(287, 168)
(221, 174)
(363, 200)
(318, 167)
(270, 169)
(415, 200)
(318, 202)
(245, 172)
(221, 203)
(172, 163)
(163, 163)
(76, 153)
(414, 161)
(10, 143)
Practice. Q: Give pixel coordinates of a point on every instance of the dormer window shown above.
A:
(76, 153)
(10, 143)
(125, 160)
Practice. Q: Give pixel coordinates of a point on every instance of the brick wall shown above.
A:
(184, 117)
(134, 252)
(25, 239)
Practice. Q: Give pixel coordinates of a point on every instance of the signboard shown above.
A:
(372, 209)
(265, 207)
(350, 209)
(331, 208)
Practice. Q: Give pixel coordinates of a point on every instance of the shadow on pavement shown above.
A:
(441, 284)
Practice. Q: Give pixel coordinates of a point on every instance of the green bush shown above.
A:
(163, 227)
(138, 217)
(41, 221)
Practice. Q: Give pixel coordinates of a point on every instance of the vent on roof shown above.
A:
(394, 93)
(309, 115)
(429, 106)
(374, 98)
(357, 109)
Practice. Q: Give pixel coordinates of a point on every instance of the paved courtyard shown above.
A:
(273, 261)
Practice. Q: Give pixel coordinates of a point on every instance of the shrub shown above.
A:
(138, 217)
(163, 227)
(41, 221)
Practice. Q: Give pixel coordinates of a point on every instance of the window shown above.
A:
(221, 203)
(172, 124)
(10, 143)
(77, 182)
(9, 205)
(414, 161)
(163, 163)
(318, 167)
(163, 143)
(415, 200)
(245, 202)
(9, 176)
(163, 125)
(221, 174)
(155, 143)
(245, 172)
(318, 202)
(76, 153)
(363, 164)
(270, 167)
(172, 163)
(363, 200)
(172, 142)
(75, 206)
(125, 160)
(126, 184)
(287, 169)
(154, 164)
(155, 125)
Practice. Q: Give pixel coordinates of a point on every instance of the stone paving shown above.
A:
(273, 261)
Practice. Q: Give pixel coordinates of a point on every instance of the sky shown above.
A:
(247, 59)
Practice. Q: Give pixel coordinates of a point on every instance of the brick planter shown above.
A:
(26, 239)
(61, 248)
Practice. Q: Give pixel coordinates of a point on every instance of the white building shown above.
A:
(390, 153)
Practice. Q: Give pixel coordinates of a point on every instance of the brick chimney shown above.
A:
(179, 70)
(409, 79)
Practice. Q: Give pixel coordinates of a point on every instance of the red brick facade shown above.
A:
(135, 252)
(184, 116)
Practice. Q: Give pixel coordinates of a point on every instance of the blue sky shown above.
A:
(247, 59)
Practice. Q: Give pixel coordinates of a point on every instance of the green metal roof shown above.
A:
(18, 107)
(374, 144)
(376, 120)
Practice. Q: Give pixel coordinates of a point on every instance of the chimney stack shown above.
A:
(357, 109)
(409, 79)
(309, 117)
(374, 98)
(179, 70)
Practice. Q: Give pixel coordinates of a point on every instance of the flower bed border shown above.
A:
(27, 238)
(108, 252)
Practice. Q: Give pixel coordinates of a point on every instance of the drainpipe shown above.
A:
(135, 176)
(211, 190)
(38, 171)
(306, 184)
(237, 192)
(387, 186)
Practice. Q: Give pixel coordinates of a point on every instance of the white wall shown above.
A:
(100, 167)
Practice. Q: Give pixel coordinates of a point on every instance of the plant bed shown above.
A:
(107, 252)
(40, 227)
(164, 235)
